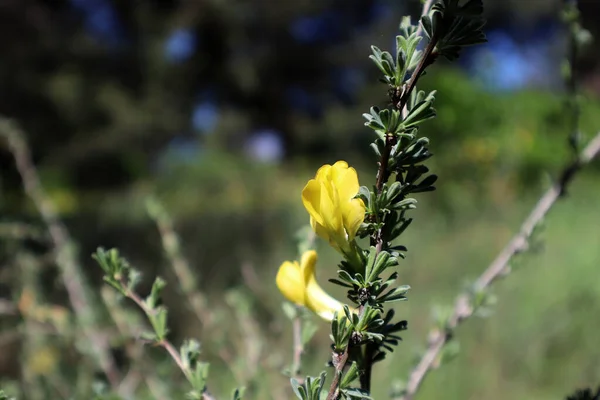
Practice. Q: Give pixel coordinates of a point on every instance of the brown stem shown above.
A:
(184, 273)
(339, 362)
(499, 266)
(164, 343)
(382, 173)
(428, 58)
(298, 348)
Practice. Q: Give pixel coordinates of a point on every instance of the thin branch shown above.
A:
(428, 58)
(164, 343)
(186, 278)
(128, 325)
(499, 266)
(383, 173)
(339, 362)
(64, 252)
(400, 103)
(298, 348)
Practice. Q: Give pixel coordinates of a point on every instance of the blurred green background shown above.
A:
(224, 109)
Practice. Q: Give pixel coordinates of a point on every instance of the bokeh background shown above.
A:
(223, 109)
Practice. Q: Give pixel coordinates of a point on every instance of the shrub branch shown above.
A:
(499, 266)
(339, 362)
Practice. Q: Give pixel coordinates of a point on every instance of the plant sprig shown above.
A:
(120, 275)
(363, 338)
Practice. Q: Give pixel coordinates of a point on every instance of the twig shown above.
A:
(401, 101)
(425, 61)
(499, 266)
(165, 344)
(184, 273)
(251, 278)
(181, 267)
(339, 362)
(65, 258)
(298, 348)
(128, 326)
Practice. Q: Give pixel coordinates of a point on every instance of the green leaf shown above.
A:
(309, 329)
(321, 383)
(456, 26)
(159, 322)
(408, 203)
(380, 264)
(346, 277)
(133, 278)
(311, 389)
(356, 393)
(290, 310)
(406, 55)
(395, 294)
(340, 283)
(421, 112)
(370, 263)
(154, 298)
(238, 393)
(4, 396)
(350, 376)
(298, 389)
(450, 351)
(150, 336)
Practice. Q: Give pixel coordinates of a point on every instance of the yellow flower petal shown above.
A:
(354, 215)
(329, 199)
(291, 282)
(323, 173)
(330, 209)
(298, 283)
(308, 263)
(346, 182)
(311, 198)
(341, 164)
(316, 298)
(323, 233)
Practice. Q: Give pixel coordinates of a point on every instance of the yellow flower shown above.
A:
(335, 215)
(299, 285)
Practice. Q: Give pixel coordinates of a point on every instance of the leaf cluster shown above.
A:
(449, 26)
(119, 274)
(372, 289)
(585, 394)
(455, 26)
(396, 68)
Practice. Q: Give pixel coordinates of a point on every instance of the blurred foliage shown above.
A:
(101, 115)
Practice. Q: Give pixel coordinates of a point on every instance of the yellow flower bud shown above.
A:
(335, 215)
(298, 283)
